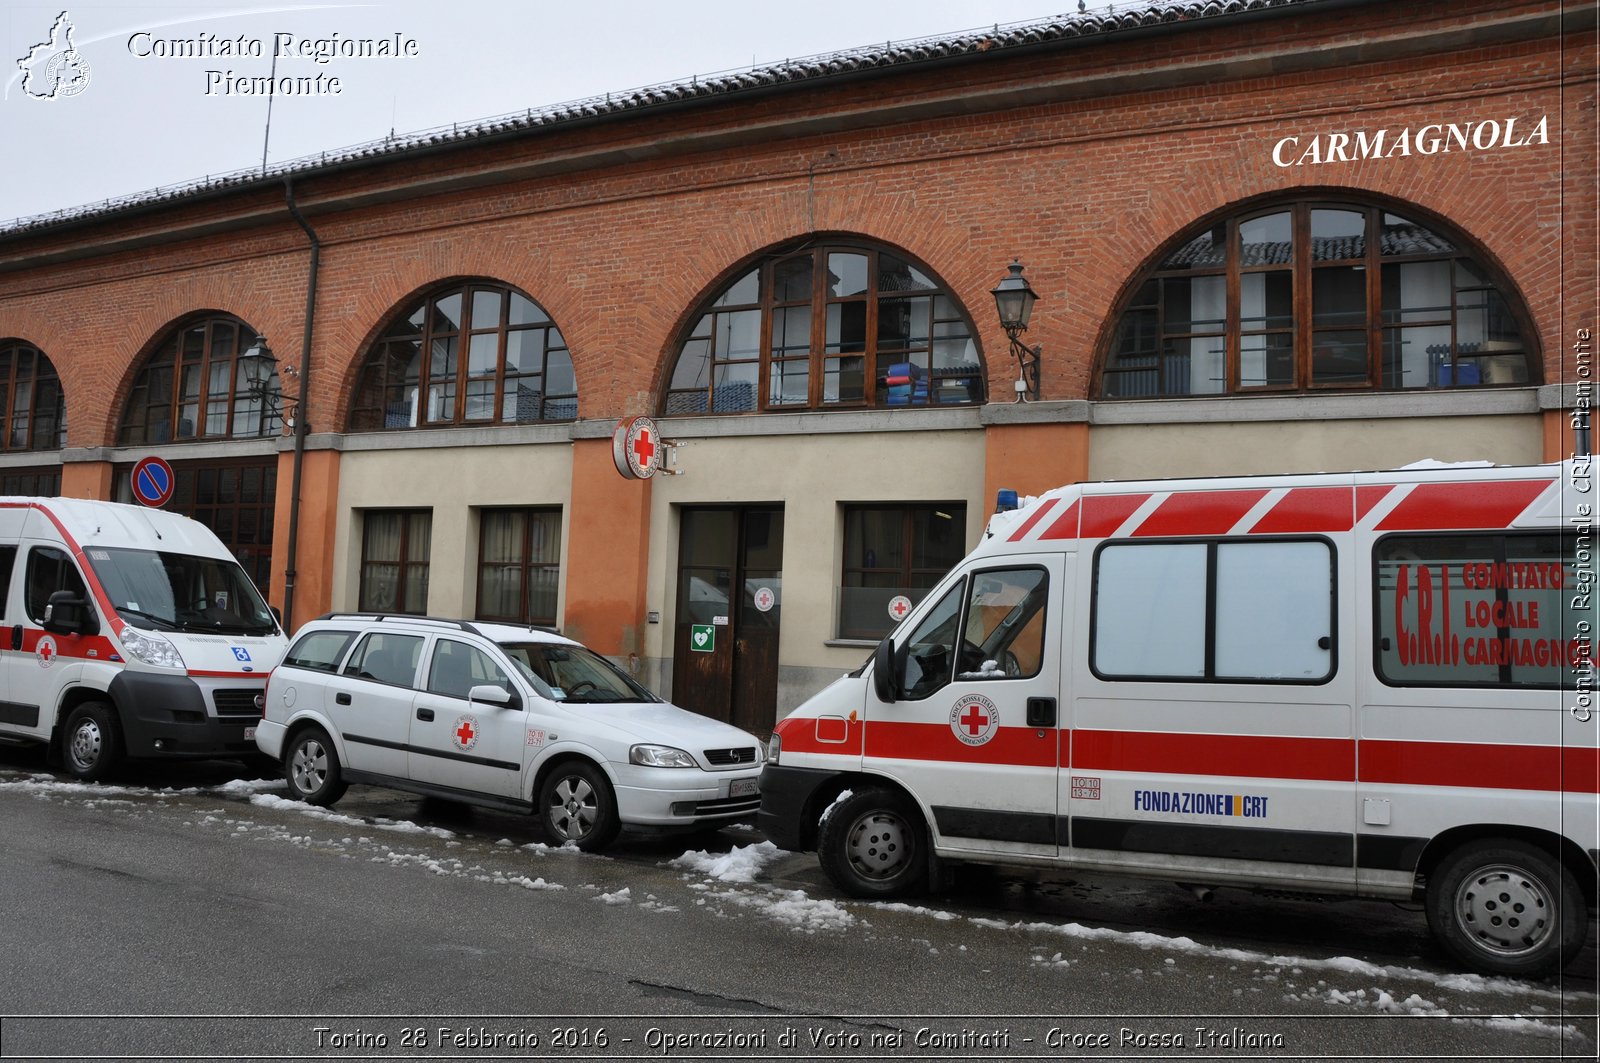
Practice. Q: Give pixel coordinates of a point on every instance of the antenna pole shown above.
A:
(272, 92)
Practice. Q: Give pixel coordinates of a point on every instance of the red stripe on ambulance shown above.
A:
(1242, 756)
(1021, 746)
(1065, 526)
(1104, 514)
(1482, 766)
(1309, 509)
(1443, 507)
(1200, 513)
(1038, 515)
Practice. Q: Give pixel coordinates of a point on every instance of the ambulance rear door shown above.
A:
(973, 731)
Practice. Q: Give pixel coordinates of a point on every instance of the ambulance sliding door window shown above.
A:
(1498, 610)
(50, 571)
(1257, 611)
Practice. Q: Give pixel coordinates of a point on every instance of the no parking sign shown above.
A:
(153, 481)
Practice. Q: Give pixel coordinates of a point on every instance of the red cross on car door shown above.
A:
(461, 744)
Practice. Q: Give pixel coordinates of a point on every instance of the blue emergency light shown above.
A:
(1005, 500)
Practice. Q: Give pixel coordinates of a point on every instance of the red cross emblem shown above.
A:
(974, 720)
(47, 651)
(466, 732)
(899, 607)
(644, 448)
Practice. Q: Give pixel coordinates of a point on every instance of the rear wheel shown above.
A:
(874, 844)
(1507, 907)
(92, 745)
(312, 768)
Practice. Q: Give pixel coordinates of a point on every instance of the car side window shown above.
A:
(50, 570)
(457, 667)
(386, 658)
(319, 651)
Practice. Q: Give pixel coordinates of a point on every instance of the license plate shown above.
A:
(249, 734)
(742, 788)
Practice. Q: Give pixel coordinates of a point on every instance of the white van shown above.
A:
(1376, 684)
(129, 632)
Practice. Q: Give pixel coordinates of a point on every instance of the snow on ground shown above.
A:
(730, 884)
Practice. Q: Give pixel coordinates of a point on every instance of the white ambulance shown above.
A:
(128, 632)
(1373, 684)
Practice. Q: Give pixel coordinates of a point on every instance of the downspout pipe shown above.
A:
(301, 427)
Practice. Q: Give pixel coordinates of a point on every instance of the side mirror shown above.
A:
(67, 614)
(883, 677)
(490, 694)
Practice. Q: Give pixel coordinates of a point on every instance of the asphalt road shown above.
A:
(178, 915)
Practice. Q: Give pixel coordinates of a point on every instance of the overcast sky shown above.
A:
(143, 119)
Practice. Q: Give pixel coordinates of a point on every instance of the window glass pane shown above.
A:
(1004, 630)
(456, 668)
(1403, 237)
(1266, 360)
(1274, 612)
(381, 536)
(846, 328)
(930, 650)
(738, 335)
(525, 311)
(734, 389)
(524, 350)
(788, 382)
(1338, 297)
(1413, 357)
(847, 274)
(1267, 241)
(483, 355)
(320, 651)
(897, 275)
(1206, 251)
(1416, 292)
(1339, 357)
(447, 314)
(386, 658)
(693, 365)
(559, 376)
(1197, 366)
(1143, 589)
(1481, 610)
(791, 330)
(1196, 304)
(844, 379)
(747, 289)
(419, 534)
(1266, 300)
(486, 309)
(791, 280)
(1337, 234)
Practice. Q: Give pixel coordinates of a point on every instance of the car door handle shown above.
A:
(425, 715)
(341, 699)
(1041, 712)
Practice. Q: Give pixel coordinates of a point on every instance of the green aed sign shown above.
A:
(702, 638)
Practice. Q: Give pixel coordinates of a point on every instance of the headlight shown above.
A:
(660, 757)
(774, 747)
(151, 649)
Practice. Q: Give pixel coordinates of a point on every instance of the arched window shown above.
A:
(193, 388)
(472, 353)
(1312, 295)
(33, 412)
(824, 327)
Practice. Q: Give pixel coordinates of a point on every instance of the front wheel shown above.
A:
(873, 844)
(1507, 907)
(312, 768)
(93, 744)
(577, 805)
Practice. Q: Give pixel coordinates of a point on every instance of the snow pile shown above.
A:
(400, 826)
(743, 864)
(246, 787)
(912, 909)
(790, 907)
(622, 896)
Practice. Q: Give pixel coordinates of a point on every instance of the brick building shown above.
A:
(1267, 235)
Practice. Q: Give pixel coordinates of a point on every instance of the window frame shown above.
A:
(525, 567)
(818, 358)
(963, 589)
(136, 427)
(41, 371)
(376, 386)
(1564, 537)
(402, 565)
(907, 571)
(1466, 256)
(1209, 675)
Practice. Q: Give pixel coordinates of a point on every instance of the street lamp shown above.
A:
(1013, 300)
(258, 366)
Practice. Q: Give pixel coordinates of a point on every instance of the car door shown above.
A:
(474, 746)
(369, 702)
(973, 727)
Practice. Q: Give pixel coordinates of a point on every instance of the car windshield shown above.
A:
(179, 592)
(574, 674)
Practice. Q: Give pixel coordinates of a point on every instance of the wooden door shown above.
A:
(730, 601)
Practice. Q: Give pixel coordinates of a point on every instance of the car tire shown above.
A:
(1507, 907)
(91, 746)
(577, 805)
(874, 844)
(312, 769)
